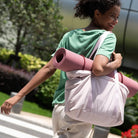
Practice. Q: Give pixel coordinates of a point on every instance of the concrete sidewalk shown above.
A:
(42, 120)
(34, 118)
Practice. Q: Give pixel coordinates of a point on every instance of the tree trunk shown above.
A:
(14, 59)
(18, 42)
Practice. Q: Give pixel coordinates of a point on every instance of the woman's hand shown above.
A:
(43, 74)
(8, 104)
(118, 59)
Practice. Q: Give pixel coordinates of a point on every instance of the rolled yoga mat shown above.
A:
(67, 60)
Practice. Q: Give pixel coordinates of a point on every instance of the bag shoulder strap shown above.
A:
(99, 42)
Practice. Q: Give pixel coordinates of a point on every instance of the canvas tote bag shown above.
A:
(96, 100)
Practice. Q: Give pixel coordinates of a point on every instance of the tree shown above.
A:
(32, 26)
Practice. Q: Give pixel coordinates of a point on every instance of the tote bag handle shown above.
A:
(99, 42)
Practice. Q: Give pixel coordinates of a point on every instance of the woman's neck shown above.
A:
(91, 26)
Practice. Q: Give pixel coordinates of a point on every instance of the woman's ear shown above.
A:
(97, 13)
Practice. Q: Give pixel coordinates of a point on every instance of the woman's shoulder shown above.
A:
(68, 33)
(111, 35)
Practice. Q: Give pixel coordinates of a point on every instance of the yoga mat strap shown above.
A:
(121, 77)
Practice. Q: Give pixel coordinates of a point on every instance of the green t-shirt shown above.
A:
(82, 43)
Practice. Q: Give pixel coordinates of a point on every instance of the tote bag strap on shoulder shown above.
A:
(99, 43)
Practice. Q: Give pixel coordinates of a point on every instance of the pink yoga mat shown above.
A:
(66, 60)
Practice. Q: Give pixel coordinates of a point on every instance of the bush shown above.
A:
(31, 63)
(26, 62)
(12, 80)
(5, 54)
(45, 91)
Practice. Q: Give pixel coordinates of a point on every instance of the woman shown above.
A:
(104, 16)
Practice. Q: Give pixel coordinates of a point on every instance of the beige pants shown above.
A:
(65, 127)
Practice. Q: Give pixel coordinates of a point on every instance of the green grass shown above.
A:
(28, 106)
(36, 109)
(3, 97)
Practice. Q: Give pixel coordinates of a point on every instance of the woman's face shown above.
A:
(109, 19)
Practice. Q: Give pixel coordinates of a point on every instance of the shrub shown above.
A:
(131, 113)
(5, 54)
(26, 62)
(31, 63)
(12, 80)
(45, 91)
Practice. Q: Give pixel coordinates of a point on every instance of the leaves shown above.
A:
(35, 25)
(131, 108)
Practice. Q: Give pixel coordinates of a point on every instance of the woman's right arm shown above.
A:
(102, 66)
(43, 74)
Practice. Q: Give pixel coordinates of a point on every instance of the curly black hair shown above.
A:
(86, 8)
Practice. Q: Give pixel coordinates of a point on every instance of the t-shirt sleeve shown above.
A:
(108, 46)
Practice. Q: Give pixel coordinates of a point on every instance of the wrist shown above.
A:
(20, 95)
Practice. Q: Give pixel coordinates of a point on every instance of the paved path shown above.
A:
(27, 125)
(14, 127)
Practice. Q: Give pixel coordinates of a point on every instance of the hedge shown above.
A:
(27, 62)
(12, 80)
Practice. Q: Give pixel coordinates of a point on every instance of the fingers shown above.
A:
(6, 108)
(7, 105)
(117, 56)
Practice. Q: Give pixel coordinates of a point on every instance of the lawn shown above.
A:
(28, 106)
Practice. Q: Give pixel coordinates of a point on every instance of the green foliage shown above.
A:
(131, 109)
(46, 90)
(27, 62)
(115, 131)
(131, 113)
(31, 63)
(4, 54)
(31, 26)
